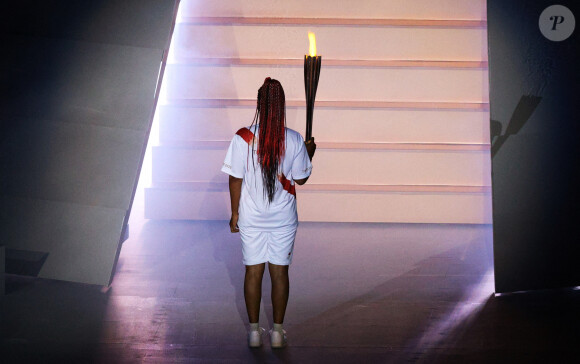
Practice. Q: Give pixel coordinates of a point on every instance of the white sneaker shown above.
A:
(278, 339)
(255, 337)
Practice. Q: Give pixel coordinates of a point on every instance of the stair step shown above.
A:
(299, 62)
(334, 42)
(335, 104)
(310, 187)
(184, 124)
(354, 206)
(380, 9)
(341, 166)
(223, 144)
(376, 22)
(336, 83)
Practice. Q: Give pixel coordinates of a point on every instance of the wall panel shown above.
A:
(79, 84)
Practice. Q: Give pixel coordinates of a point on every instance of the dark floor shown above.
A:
(360, 293)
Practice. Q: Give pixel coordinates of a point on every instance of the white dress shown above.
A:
(256, 215)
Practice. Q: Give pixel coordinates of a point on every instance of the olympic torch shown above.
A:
(311, 74)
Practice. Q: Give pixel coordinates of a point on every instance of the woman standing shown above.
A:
(263, 161)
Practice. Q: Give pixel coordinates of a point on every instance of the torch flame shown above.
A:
(312, 40)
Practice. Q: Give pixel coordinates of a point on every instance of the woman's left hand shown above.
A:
(310, 147)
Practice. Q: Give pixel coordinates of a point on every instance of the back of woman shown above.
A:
(256, 211)
(264, 162)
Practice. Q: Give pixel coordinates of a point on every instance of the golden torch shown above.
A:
(311, 74)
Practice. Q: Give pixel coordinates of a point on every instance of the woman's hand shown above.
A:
(234, 223)
(235, 192)
(310, 147)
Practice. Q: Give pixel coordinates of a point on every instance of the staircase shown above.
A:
(401, 118)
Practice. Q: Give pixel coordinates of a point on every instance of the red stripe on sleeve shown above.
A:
(246, 134)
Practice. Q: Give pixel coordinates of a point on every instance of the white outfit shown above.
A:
(267, 229)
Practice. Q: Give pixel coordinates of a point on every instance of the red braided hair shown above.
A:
(271, 113)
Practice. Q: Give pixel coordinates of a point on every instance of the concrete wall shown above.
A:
(78, 94)
(534, 88)
(2, 267)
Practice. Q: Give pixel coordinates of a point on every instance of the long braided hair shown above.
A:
(271, 114)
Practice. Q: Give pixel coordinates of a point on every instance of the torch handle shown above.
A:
(311, 76)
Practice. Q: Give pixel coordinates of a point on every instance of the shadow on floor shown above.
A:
(46, 321)
(527, 327)
(401, 319)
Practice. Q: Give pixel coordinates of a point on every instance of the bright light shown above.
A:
(472, 302)
(312, 40)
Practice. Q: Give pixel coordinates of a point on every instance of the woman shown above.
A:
(263, 161)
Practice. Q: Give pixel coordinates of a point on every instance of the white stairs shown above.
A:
(401, 118)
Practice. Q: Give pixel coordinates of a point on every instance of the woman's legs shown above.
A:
(280, 290)
(253, 290)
